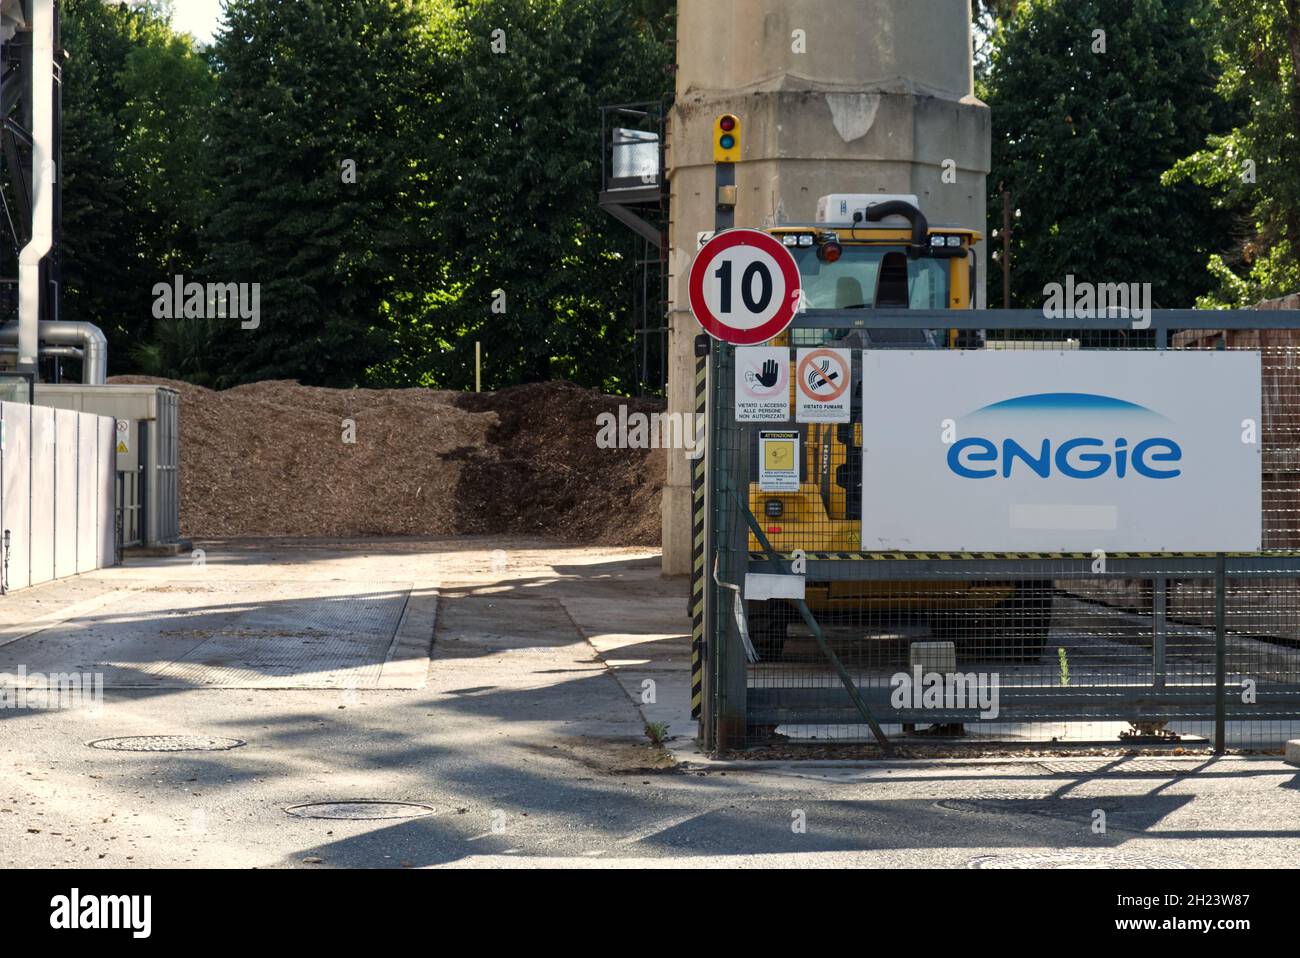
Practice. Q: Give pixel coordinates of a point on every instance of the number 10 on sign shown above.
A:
(744, 287)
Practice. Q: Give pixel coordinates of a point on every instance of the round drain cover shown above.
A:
(1051, 807)
(1075, 860)
(361, 810)
(166, 743)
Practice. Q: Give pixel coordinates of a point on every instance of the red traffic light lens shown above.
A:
(728, 123)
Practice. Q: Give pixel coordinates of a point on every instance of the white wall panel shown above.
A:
(66, 504)
(16, 500)
(87, 492)
(42, 522)
(106, 475)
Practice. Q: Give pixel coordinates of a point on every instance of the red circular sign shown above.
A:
(744, 287)
(837, 389)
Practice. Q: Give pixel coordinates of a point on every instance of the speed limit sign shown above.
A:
(744, 287)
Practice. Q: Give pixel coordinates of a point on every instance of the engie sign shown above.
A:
(1038, 451)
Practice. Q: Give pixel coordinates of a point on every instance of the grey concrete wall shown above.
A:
(880, 97)
(56, 493)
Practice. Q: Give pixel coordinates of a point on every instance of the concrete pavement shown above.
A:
(518, 731)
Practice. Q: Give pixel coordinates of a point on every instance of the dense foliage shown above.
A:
(404, 178)
(1085, 124)
(1255, 167)
(401, 178)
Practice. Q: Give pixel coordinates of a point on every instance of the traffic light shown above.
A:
(726, 139)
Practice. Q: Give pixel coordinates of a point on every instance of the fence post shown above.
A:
(1159, 622)
(1220, 651)
(728, 552)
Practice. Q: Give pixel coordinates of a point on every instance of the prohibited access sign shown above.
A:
(744, 287)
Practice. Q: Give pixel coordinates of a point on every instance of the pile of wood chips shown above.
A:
(272, 459)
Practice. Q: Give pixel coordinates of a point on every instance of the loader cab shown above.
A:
(880, 252)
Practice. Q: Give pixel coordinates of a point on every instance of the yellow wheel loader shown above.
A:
(874, 252)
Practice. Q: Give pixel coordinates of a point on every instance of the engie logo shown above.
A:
(1005, 445)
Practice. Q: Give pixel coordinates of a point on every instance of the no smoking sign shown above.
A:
(822, 380)
(744, 287)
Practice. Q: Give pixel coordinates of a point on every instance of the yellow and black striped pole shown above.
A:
(698, 562)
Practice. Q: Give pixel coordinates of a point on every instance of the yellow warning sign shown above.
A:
(121, 446)
(779, 455)
(778, 461)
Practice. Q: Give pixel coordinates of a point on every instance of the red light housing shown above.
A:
(728, 123)
(830, 252)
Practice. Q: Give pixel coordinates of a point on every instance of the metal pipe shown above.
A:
(85, 336)
(43, 175)
(71, 352)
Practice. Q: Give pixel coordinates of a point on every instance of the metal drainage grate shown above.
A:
(1075, 860)
(361, 810)
(166, 743)
(1140, 766)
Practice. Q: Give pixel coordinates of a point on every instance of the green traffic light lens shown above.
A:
(727, 142)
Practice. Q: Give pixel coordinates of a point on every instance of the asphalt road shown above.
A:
(515, 732)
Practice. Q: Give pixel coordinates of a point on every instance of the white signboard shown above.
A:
(1034, 451)
(762, 384)
(778, 461)
(823, 378)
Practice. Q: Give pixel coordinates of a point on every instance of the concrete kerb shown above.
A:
(1293, 752)
(406, 665)
(1218, 764)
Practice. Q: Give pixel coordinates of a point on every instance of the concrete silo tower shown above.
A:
(836, 96)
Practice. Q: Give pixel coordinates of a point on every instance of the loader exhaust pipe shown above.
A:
(920, 225)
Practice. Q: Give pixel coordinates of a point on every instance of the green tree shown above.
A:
(518, 158)
(1255, 167)
(1082, 137)
(307, 92)
(135, 98)
(989, 18)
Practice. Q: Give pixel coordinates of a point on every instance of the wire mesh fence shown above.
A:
(992, 647)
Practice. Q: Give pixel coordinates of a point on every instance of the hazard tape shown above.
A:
(698, 475)
(945, 556)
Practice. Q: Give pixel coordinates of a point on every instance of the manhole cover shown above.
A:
(1075, 860)
(1050, 807)
(361, 810)
(166, 743)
